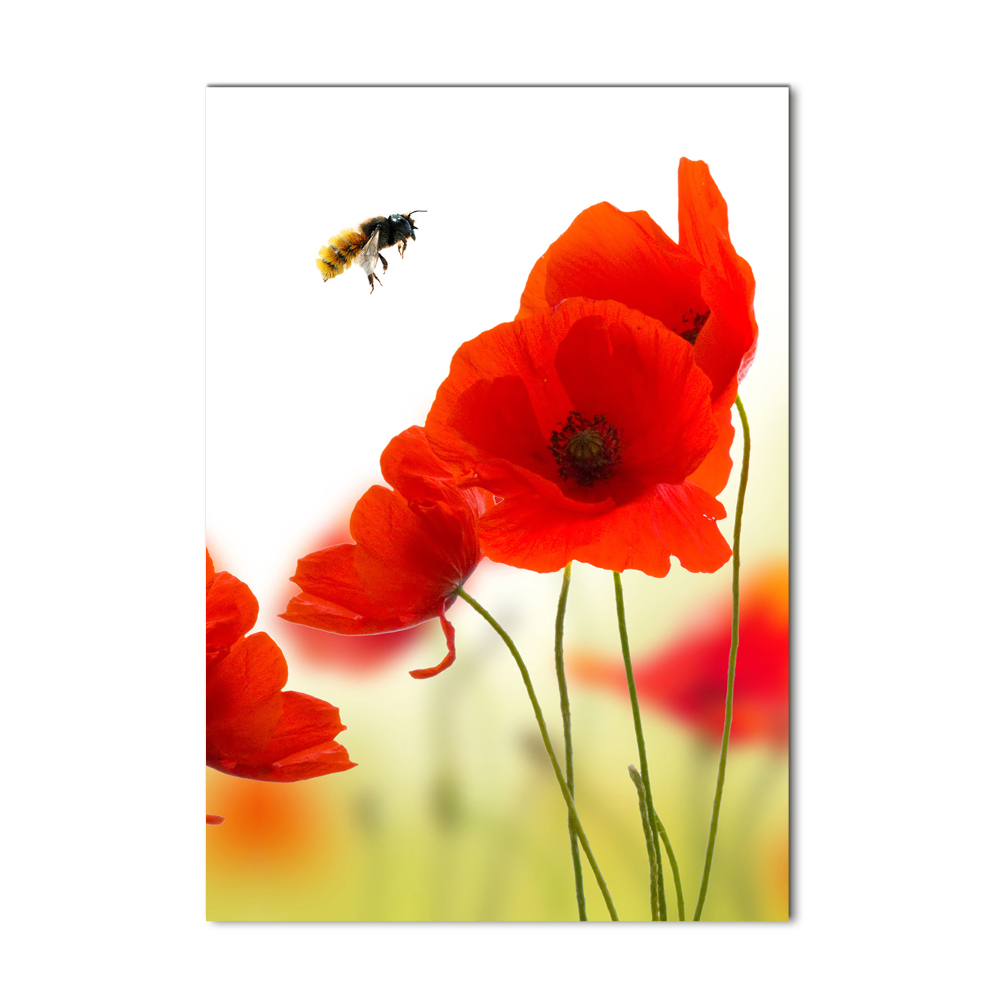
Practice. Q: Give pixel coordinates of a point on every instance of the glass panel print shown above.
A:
(482, 367)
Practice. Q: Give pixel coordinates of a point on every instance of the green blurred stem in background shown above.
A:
(574, 847)
(661, 898)
(733, 645)
(654, 865)
(673, 867)
(548, 747)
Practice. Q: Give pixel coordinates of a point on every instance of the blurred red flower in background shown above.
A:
(253, 728)
(414, 545)
(586, 418)
(687, 678)
(699, 288)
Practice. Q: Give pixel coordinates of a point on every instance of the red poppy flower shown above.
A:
(687, 678)
(357, 654)
(414, 545)
(586, 419)
(253, 728)
(699, 288)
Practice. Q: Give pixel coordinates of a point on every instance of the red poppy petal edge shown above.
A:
(243, 700)
(713, 473)
(666, 520)
(230, 612)
(302, 746)
(314, 612)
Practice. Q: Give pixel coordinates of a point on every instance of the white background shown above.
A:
(894, 172)
(307, 381)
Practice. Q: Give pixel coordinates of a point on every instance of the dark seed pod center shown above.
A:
(585, 450)
(694, 321)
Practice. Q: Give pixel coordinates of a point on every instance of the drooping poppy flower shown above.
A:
(363, 655)
(254, 729)
(414, 545)
(687, 678)
(586, 419)
(700, 288)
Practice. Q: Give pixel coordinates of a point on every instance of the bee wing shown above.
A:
(369, 254)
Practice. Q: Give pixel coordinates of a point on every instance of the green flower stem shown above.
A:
(673, 867)
(733, 645)
(548, 747)
(574, 847)
(640, 742)
(654, 868)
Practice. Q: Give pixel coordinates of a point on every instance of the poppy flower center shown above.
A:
(694, 321)
(585, 450)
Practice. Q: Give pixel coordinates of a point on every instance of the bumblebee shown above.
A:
(363, 243)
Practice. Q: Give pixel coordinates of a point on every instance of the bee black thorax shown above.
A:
(392, 230)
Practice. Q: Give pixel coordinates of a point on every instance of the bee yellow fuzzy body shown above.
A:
(363, 242)
(338, 256)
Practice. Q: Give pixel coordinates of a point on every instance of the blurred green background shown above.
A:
(454, 813)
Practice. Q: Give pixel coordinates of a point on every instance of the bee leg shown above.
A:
(402, 249)
(372, 278)
(385, 265)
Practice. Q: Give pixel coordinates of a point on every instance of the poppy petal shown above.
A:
(403, 562)
(407, 552)
(308, 609)
(704, 221)
(409, 466)
(726, 344)
(666, 520)
(624, 257)
(214, 820)
(230, 612)
(243, 698)
(329, 574)
(449, 636)
(713, 473)
(302, 744)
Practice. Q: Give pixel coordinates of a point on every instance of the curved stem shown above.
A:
(584, 843)
(733, 645)
(654, 868)
(574, 847)
(640, 741)
(673, 867)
